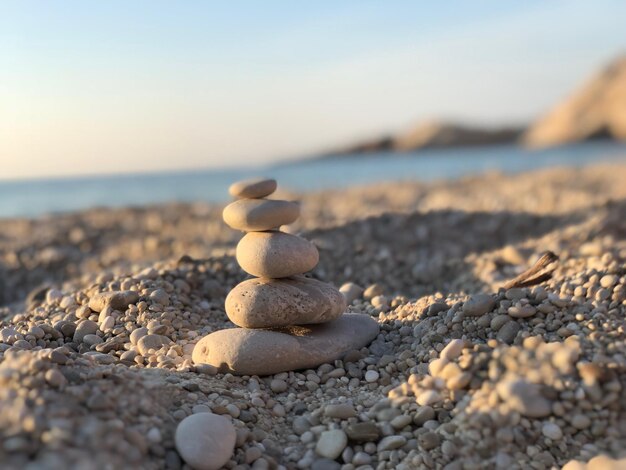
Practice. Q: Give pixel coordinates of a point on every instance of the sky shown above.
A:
(105, 87)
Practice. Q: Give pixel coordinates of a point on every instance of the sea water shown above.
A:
(28, 198)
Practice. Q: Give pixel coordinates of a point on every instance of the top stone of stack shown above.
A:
(254, 188)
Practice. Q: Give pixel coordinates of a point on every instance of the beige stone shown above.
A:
(117, 300)
(351, 291)
(264, 352)
(253, 188)
(275, 254)
(478, 305)
(268, 303)
(206, 441)
(255, 215)
(148, 342)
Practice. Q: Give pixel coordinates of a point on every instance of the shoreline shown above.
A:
(40, 197)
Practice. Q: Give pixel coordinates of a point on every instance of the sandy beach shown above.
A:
(464, 373)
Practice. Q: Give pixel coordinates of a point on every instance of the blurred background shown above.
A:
(131, 103)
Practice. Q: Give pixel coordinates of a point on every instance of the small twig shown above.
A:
(533, 276)
(531, 282)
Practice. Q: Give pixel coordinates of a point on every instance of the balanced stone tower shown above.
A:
(287, 321)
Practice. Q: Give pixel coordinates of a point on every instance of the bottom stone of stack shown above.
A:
(264, 352)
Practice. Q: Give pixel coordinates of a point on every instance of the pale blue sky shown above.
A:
(124, 86)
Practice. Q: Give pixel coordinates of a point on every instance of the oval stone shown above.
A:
(257, 215)
(147, 342)
(206, 441)
(478, 305)
(253, 188)
(273, 303)
(242, 351)
(275, 254)
(117, 300)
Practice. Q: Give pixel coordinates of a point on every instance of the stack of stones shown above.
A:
(288, 321)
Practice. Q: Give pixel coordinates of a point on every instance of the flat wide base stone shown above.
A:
(242, 351)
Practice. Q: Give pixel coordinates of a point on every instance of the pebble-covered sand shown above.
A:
(96, 369)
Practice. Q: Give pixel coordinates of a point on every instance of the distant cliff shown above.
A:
(434, 135)
(597, 110)
(441, 134)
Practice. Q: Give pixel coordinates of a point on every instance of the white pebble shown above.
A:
(331, 444)
(205, 441)
(452, 350)
(428, 397)
(154, 435)
(371, 376)
(552, 431)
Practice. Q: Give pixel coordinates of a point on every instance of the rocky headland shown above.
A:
(596, 111)
(434, 135)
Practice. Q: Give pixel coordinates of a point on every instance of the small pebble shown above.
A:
(205, 441)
